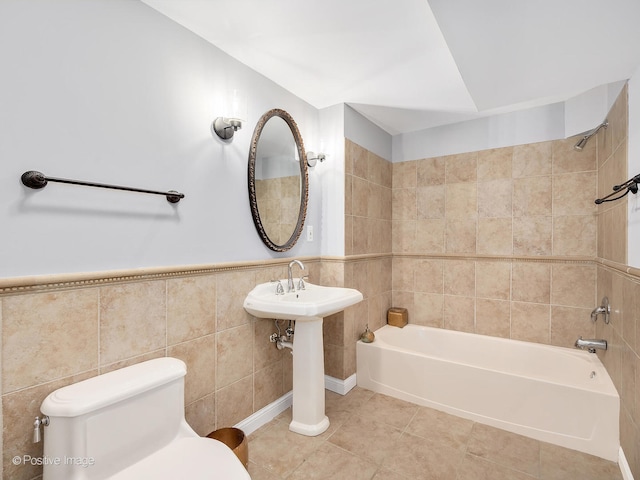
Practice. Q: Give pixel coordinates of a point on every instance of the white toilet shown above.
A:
(129, 425)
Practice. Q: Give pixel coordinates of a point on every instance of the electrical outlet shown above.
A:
(309, 233)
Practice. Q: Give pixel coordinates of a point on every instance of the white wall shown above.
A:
(633, 231)
(527, 126)
(114, 92)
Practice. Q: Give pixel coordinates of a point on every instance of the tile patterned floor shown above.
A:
(373, 436)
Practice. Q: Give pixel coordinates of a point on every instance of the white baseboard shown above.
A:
(340, 386)
(271, 411)
(624, 466)
(265, 415)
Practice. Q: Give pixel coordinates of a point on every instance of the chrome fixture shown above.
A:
(279, 287)
(235, 111)
(290, 285)
(603, 309)
(44, 421)
(591, 344)
(312, 158)
(583, 141)
(226, 127)
(301, 285)
(283, 341)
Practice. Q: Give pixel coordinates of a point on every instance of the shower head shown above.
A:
(583, 141)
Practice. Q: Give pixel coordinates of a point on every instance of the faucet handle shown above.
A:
(279, 287)
(301, 284)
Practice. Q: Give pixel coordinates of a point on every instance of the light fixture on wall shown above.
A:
(236, 113)
(312, 158)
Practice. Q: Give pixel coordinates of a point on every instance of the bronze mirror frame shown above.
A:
(304, 180)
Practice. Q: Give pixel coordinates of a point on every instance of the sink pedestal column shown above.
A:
(308, 379)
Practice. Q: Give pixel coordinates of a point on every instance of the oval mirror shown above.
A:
(278, 188)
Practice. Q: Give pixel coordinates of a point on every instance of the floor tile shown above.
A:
(505, 448)
(389, 410)
(369, 439)
(419, 458)
(475, 468)
(441, 427)
(331, 462)
(557, 463)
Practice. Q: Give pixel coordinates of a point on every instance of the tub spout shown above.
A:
(591, 344)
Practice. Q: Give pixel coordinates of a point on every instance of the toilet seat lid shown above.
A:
(195, 458)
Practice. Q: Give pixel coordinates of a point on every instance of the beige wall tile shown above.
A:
(460, 278)
(403, 274)
(574, 193)
(430, 202)
(428, 276)
(567, 159)
(426, 309)
(460, 236)
(404, 175)
(348, 194)
(264, 352)
(200, 357)
(234, 355)
(267, 385)
(48, 336)
(532, 160)
(531, 282)
(361, 235)
(494, 199)
(532, 235)
(428, 237)
(334, 360)
(191, 308)
(568, 323)
(461, 201)
(403, 235)
(461, 168)
(495, 236)
(361, 195)
(493, 280)
(234, 402)
(530, 322)
(430, 171)
(493, 317)
(494, 164)
(459, 313)
(404, 204)
(532, 196)
(232, 288)
(575, 235)
(358, 157)
(132, 320)
(573, 285)
(201, 415)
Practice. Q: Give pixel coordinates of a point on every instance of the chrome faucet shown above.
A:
(591, 344)
(290, 285)
(603, 309)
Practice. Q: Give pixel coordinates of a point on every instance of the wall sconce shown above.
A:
(236, 110)
(312, 158)
(226, 127)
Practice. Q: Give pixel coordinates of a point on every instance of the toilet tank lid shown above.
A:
(109, 388)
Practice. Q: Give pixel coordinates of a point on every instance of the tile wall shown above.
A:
(72, 331)
(619, 282)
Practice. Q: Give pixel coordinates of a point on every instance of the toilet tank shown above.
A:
(101, 425)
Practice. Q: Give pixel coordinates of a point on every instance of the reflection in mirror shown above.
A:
(278, 180)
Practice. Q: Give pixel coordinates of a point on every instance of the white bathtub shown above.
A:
(558, 395)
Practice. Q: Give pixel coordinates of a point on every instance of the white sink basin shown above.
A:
(313, 302)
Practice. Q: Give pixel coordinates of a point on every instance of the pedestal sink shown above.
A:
(307, 307)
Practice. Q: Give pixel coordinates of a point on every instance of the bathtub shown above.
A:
(557, 395)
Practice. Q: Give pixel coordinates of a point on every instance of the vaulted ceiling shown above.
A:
(413, 64)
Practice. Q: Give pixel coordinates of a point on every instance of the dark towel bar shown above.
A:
(37, 180)
(630, 185)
